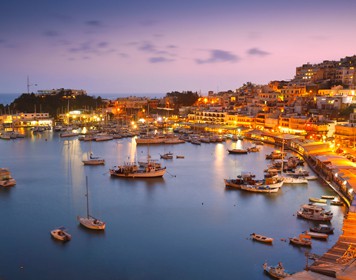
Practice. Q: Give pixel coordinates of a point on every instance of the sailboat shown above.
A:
(92, 160)
(89, 221)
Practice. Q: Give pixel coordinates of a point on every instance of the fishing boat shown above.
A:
(132, 170)
(261, 238)
(246, 181)
(314, 213)
(89, 221)
(277, 272)
(322, 228)
(61, 234)
(301, 240)
(317, 235)
(6, 179)
(244, 178)
(179, 156)
(317, 200)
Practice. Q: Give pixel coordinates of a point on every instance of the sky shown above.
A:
(154, 46)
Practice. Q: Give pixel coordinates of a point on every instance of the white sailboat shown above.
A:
(89, 221)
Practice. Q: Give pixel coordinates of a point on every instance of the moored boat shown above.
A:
(261, 188)
(94, 161)
(134, 171)
(314, 213)
(237, 151)
(292, 180)
(336, 202)
(317, 200)
(277, 272)
(317, 235)
(89, 221)
(328, 196)
(301, 240)
(168, 155)
(246, 181)
(6, 180)
(61, 234)
(322, 228)
(253, 149)
(261, 238)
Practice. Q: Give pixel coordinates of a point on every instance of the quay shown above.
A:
(338, 173)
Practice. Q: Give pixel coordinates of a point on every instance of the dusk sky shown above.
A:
(154, 46)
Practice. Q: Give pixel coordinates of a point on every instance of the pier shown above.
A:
(340, 260)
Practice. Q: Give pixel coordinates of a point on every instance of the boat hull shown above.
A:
(8, 183)
(139, 173)
(271, 188)
(298, 242)
(60, 235)
(94, 162)
(91, 223)
(261, 238)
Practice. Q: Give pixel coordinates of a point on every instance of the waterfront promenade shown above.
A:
(339, 174)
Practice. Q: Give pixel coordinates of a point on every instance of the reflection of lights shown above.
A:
(350, 191)
(142, 120)
(159, 119)
(344, 183)
(336, 175)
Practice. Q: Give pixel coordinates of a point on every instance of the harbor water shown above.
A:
(186, 225)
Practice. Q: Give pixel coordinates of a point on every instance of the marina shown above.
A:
(189, 203)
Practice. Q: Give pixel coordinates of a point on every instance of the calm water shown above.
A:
(183, 226)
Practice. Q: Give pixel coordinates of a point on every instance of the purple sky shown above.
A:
(151, 46)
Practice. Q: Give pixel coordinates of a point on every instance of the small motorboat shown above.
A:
(261, 238)
(61, 234)
(177, 156)
(277, 272)
(322, 228)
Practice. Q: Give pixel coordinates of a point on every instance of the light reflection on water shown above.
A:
(185, 225)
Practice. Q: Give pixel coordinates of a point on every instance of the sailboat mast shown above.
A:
(87, 195)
